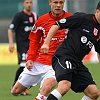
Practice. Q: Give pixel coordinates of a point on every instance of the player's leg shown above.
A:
(18, 72)
(27, 79)
(83, 82)
(22, 62)
(48, 83)
(62, 89)
(62, 75)
(21, 85)
(91, 93)
(18, 88)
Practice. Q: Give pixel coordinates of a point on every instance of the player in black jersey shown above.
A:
(21, 25)
(84, 33)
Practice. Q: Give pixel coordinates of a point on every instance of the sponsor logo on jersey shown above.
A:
(85, 30)
(83, 39)
(62, 20)
(27, 28)
(31, 19)
(26, 22)
(11, 26)
(34, 27)
(95, 31)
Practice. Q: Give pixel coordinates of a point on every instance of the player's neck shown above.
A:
(57, 15)
(27, 12)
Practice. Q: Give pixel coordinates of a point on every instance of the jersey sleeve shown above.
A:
(35, 38)
(15, 22)
(73, 21)
(97, 46)
(35, 16)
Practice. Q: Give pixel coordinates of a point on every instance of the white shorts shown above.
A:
(39, 73)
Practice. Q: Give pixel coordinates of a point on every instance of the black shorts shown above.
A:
(76, 73)
(22, 57)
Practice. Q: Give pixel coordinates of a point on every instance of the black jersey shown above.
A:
(83, 34)
(22, 25)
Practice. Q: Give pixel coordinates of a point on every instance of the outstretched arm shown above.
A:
(53, 30)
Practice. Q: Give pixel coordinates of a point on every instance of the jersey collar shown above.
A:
(94, 19)
(56, 18)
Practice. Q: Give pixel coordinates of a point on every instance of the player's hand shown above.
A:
(29, 65)
(44, 48)
(11, 47)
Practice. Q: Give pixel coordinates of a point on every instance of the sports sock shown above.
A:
(41, 97)
(86, 98)
(18, 72)
(55, 95)
(51, 97)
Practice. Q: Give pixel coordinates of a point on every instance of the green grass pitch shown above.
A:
(7, 73)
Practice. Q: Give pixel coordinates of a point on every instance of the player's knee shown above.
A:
(48, 85)
(63, 87)
(95, 95)
(15, 91)
(48, 88)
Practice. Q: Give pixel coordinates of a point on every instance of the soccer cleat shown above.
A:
(26, 92)
(40, 98)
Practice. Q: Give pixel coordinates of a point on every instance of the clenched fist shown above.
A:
(44, 48)
(29, 65)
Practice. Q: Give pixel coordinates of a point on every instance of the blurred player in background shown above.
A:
(39, 65)
(21, 25)
(71, 73)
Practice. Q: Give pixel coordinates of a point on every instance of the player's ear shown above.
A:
(49, 2)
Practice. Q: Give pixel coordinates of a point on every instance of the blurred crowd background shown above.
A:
(8, 8)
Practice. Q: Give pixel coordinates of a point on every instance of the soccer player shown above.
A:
(21, 24)
(39, 65)
(84, 32)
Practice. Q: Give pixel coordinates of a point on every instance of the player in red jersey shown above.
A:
(39, 65)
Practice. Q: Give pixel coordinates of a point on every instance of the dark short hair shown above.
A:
(98, 5)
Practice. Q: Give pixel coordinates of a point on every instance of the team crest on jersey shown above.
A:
(31, 19)
(62, 20)
(34, 27)
(11, 26)
(83, 39)
(95, 31)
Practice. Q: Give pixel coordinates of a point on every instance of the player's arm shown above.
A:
(64, 23)
(98, 56)
(12, 28)
(10, 39)
(53, 30)
(35, 39)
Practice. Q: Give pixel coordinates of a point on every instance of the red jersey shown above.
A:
(39, 33)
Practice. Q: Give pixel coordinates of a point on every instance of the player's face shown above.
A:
(56, 6)
(97, 15)
(28, 5)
